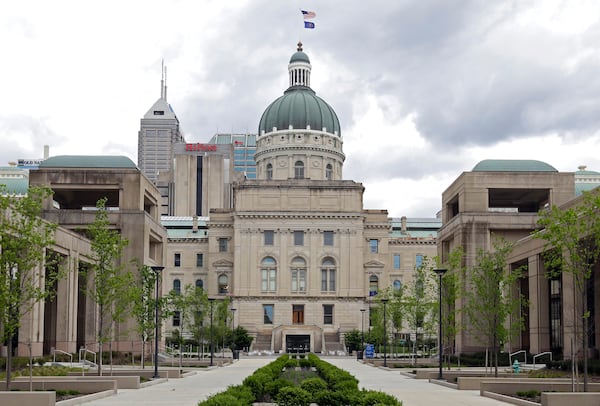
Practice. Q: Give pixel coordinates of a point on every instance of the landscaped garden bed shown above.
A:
(300, 382)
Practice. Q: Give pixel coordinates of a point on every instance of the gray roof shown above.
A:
(513, 165)
(159, 106)
(88, 161)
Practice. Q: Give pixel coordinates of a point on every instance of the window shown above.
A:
(327, 237)
(222, 244)
(374, 246)
(418, 260)
(199, 260)
(328, 172)
(373, 285)
(298, 275)
(328, 275)
(298, 237)
(298, 314)
(268, 275)
(177, 259)
(223, 284)
(269, 171)
(269, 237)
(299, 170)
(555, 312)
(177, 286)
(396, 261)
(176, 319)
(397, 285)
(199, 284)
(268, 314)
(328, 314)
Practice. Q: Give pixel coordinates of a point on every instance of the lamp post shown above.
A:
(157, 270)
(362, 329)
(384, 301)
(440, 272)
(233, 349)
(212, 351)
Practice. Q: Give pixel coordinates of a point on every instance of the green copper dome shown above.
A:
(299, 107)
(299, 57)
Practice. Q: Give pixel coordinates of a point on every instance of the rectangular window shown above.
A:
(298, 280)
(268, 280)
(418, 261)
(268, 314)
(298, 314)
(328, 238)
(327, 314)
(374, 246)
(396, 261)
(298, 237)
(176, 319)
(177, 259)
(199, 260)
(222, 244)
(328, 280)
(269, 236)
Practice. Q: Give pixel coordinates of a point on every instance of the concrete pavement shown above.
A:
(190, 390)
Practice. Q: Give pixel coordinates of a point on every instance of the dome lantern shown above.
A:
(299, 68)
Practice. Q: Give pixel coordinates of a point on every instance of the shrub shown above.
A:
(256, 382)
(314, 385)
(373, 398)
(291, 363)
(529, 393)
(304, 363)
(293, 396)
(222, 399)
(272, 388)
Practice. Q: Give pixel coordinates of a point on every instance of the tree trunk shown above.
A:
(143, 351)
(9, 348)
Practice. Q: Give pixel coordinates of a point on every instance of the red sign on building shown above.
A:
(200, 147)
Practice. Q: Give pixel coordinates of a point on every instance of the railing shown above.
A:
(515, 353)
(539, 355)
(54, 351)
(86, 351)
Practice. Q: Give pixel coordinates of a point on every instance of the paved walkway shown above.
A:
(190, 390)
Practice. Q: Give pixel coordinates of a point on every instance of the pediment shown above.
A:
(222, 263)
(374, 264)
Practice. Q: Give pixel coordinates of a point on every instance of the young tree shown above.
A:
(419, 301)
(450, 293)
(28, 273)
(110, 281)
(144, 305)
(572, 246)
(489, 303)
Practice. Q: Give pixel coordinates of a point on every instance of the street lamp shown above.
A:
(157, 270)
(362, 329)
(384, 301)
(233, 309)
(440, 272)
(212, 351)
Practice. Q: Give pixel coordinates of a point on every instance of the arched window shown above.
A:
(177, 286)
(373, 285)
(397, 285)
(269, 171)
(223, 284)
(328, 275)
(268, 272)
(298, 275)
(328, 172)
(299, 170)
(200, 283)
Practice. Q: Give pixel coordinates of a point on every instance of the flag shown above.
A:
(308, 24)
(308, 14)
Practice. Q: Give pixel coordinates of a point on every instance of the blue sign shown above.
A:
(370, 351)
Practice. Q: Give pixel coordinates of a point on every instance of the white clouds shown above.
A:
(423, 90)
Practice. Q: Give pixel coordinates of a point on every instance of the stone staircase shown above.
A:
(333, 343)
(262, 342)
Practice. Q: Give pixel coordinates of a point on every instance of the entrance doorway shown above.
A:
(299, 343)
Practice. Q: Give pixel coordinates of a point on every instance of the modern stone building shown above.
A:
(501, 199)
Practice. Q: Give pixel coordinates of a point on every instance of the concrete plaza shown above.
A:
(188, 391)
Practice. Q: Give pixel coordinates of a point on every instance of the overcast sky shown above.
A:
(423, 89)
